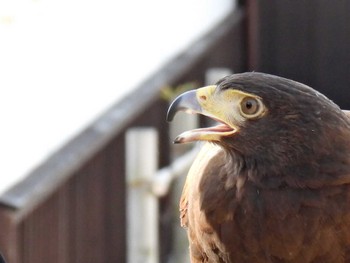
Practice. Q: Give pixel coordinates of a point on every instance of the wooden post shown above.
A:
(142, 205)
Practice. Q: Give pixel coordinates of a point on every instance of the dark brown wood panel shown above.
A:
(308, 41)
(10, 236)
(44, 233)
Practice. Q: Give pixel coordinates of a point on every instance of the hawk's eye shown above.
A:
(250, 106)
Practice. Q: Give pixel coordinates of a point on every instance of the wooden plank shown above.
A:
(115, 220)
(10, 241)
(90, 212)
(45, 232)
(252, 27)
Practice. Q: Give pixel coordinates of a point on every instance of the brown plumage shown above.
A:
(273, 183)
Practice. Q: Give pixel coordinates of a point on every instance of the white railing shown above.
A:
(145, 184)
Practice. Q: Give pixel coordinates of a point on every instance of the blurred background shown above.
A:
(89, 173)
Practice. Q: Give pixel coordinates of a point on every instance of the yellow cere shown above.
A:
(226, 105)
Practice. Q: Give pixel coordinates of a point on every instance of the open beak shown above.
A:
(202, 101)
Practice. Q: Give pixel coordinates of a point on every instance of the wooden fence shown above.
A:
(72, 207)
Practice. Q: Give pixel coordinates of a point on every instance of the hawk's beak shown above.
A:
(201, 101)
(185, 102)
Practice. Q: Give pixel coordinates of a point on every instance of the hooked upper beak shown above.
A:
(185, 102)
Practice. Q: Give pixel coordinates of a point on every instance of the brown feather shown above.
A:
(261, 225)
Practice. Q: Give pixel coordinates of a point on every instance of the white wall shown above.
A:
(63, 62)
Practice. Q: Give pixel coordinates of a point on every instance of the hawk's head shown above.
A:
(272, 122)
